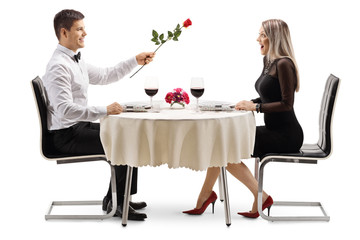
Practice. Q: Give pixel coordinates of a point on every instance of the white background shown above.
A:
(221, 47)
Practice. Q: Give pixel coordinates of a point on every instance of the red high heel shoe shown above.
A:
(196, 211)
(267, 204)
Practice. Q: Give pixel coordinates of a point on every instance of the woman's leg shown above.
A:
(243, 174)
(239, 171)
(211, 177)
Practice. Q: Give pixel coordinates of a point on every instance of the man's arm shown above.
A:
(101, 76)
(61, 99)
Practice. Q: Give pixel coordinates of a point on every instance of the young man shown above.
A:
(69, 117)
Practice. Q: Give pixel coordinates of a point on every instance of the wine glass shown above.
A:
(197, 89)
(151, 87)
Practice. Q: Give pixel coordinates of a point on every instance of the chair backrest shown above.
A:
(47, 148)
(326, 113)
(46, 138)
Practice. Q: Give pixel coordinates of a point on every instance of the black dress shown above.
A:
(282, 132)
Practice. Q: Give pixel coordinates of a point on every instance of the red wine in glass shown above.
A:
(197, 92)
(197, 89)
(151, 91)
(151, 87)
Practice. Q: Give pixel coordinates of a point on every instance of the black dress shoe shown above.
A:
(134, 205)
(105, 203)
(137, 205)
(133, 215)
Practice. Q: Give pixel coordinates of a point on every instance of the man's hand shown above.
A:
(114, 109)
(145, 58)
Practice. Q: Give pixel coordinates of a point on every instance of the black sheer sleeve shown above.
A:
(256, 100)
(285, 71)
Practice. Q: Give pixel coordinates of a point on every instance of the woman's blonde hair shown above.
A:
(280, 46)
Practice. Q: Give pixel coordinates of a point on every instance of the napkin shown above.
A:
(135, 107)
(216, 106)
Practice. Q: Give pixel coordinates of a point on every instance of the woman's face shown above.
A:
(263, 41)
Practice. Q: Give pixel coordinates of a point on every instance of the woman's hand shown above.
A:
(114, 109)
(246, 105)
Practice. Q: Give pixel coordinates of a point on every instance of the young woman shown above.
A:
(282, 132)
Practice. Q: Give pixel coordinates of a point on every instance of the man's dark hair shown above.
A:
(65, 19)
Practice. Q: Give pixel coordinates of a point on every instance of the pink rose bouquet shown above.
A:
(179, 96)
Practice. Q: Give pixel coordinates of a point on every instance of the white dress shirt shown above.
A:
(66, 83)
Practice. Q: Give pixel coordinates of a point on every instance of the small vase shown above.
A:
(177, 105)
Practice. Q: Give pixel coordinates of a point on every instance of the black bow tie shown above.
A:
(77, 57)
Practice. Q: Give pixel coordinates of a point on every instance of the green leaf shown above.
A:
(154, 39)
(177, 33)
(155, 34)
(161, 37)
(178, 27)
(175, 38)
(157, 43)
(163, 41)
(170, 34)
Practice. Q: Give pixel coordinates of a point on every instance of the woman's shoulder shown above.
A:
(285, 62)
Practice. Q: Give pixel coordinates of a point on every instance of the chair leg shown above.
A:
(325, 217)
(86, 203)
(221, 190)
(256, 170)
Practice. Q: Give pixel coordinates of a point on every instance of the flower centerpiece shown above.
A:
(179, 96)
(159, 39)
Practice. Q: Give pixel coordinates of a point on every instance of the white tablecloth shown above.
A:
(179, 138)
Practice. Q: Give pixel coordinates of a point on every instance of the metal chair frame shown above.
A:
(283, 159)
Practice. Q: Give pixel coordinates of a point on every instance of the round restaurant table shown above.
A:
(178, 138)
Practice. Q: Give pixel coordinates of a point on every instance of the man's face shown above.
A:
(74, 39)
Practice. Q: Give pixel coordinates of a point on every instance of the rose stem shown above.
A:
(145, 63)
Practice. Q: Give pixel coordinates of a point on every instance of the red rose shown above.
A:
(178, 90)
(187, 23)
(169, 97)
(186, 98)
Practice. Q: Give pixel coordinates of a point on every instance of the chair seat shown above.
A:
(60, 155)
(313, 151)
(50, 153)
(306, 151)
